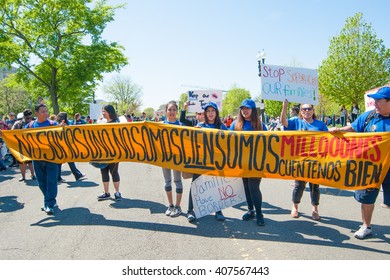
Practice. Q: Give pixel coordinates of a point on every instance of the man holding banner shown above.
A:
(377, 120)
(45, 171)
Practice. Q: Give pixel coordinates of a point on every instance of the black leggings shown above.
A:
(253, 195)
(113, 169)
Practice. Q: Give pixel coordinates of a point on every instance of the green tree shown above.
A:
(149, 113)
(58, 46)
(124, 93)
(182, 99)
(357, 61)
(273, 108)
(232, 100)
(15, 98)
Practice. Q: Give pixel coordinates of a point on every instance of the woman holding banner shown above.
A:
(173, 211)
(307, 122)
(248, 120)
(110, 115)
(211, 120)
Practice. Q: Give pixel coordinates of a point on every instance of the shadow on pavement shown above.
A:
(126, 203)
(10, 204)
(299, 231)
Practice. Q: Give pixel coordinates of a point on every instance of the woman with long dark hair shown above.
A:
(211, 120)
(110, 115)
(248, 120)
(174, 210)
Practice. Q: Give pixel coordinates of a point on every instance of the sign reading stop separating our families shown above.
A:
(198, 98)
(294, 84)
(211, 194)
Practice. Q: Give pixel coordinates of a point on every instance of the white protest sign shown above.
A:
(368, 101)
(294, 84)
(211, 194)
(198, 98)
(95, 111)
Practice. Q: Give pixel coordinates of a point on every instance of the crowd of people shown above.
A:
(302, 118)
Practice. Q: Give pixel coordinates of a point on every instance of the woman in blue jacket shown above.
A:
(248, 120)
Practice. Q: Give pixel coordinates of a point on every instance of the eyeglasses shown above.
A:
(306, 109)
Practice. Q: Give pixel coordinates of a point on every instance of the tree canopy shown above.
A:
(126, 94)
(58, 47)
(357, 61)
(232, 100)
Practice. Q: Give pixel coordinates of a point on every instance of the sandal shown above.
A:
(315, 216)
(294, 214)
(385, 206)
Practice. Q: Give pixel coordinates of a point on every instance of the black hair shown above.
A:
(27, 112)
(111, 111)
(39, 106)
(62, 116)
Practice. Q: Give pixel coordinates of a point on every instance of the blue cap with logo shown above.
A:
(210, 104)
(383, 92)
(249, 103)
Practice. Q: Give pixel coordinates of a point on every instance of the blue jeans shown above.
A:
(2, 164)
(76, 173)
(368, 196)
(46, 173)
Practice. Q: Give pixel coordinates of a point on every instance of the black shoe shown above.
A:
(191, 217)
(260, 220)
(104, 196)
(49, 210)
(21, 179)
(117, 196)
(82, 177)
(250, 215)
(219, 216)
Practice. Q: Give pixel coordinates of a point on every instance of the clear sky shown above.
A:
(176, 45)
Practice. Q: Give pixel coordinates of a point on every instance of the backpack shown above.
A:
(370, 116)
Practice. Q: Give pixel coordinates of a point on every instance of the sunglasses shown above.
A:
(306, 109)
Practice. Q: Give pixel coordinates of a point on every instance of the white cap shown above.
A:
(19, 116)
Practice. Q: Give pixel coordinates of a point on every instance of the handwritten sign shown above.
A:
(368, 101)
(346, 161)
(295, 84)
(211, 194)
(198, 98)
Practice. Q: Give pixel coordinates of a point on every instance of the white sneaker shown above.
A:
(363, 232)
(176, 212)
(169, 210)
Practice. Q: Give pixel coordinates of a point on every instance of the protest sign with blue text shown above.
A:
(198, 98)
(295, 84)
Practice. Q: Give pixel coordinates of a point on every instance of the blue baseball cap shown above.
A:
(383, 92)
(249, 103)
(210, 104)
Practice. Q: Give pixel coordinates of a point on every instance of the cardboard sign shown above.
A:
(294, 84)
(211, 194)
(198, 98)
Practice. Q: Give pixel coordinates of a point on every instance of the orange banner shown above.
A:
(345, 161)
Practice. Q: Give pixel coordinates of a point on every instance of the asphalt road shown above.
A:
(136, 228)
